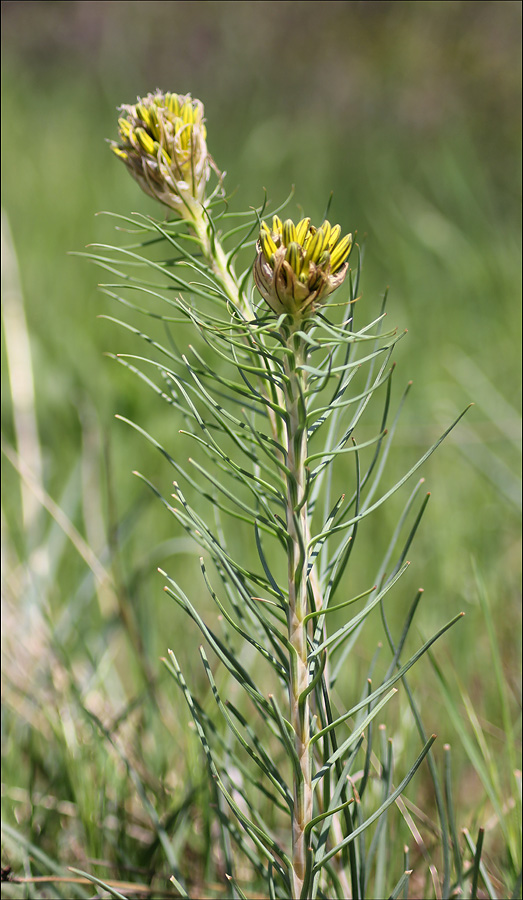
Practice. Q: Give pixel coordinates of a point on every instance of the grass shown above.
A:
(101, 770)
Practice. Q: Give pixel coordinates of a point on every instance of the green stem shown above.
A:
(299, 537)
(217, 259)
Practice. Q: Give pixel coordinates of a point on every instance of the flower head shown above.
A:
(298, 266)
(162, 143)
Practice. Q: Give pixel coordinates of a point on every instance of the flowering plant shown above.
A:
(274, 407)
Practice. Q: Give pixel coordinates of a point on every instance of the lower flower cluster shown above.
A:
(299, 265)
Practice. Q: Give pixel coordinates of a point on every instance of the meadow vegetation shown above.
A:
(410, 113)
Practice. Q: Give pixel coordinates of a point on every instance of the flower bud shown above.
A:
(162, 143)
(298, 266)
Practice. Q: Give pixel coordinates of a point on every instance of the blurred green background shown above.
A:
(410, 112)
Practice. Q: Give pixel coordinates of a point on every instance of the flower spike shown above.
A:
(162, 143)
(298, 266)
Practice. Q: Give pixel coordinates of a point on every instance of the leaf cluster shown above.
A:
(228, 389)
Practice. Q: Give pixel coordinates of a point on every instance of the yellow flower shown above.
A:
(298, 266)
(162, 143)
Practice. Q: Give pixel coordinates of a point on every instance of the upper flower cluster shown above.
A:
(299, 265)
(162, 143)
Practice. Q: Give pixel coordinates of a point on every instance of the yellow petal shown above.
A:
(301, 230)
(267, 244)
(293, 257)
(187, 113)
(142, 113)
(153, 122)
(173, 104)
(315, 246)
(341, 252)
(326, 227)
(145, 140)
(125, 127)
(334, 236)
(289, 232)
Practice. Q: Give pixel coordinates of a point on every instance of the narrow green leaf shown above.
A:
(342, 749)
(401, 672)
(13, 837)
(268, 771)
(107, 887)
(451, 817)
(344, 525)
(328, 609)
(516, 893)
(391, 799)
(229, 660)
(401, 885)
(266, 844)
(478, 866)
(326, 815)
(346, 629)
(236, 886)
(179, 887)
(279, 668)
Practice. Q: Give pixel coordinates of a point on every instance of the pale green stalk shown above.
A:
(217, 259)
(299, 538)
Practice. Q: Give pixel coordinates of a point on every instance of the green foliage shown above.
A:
(422, 139)
(239, 412)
